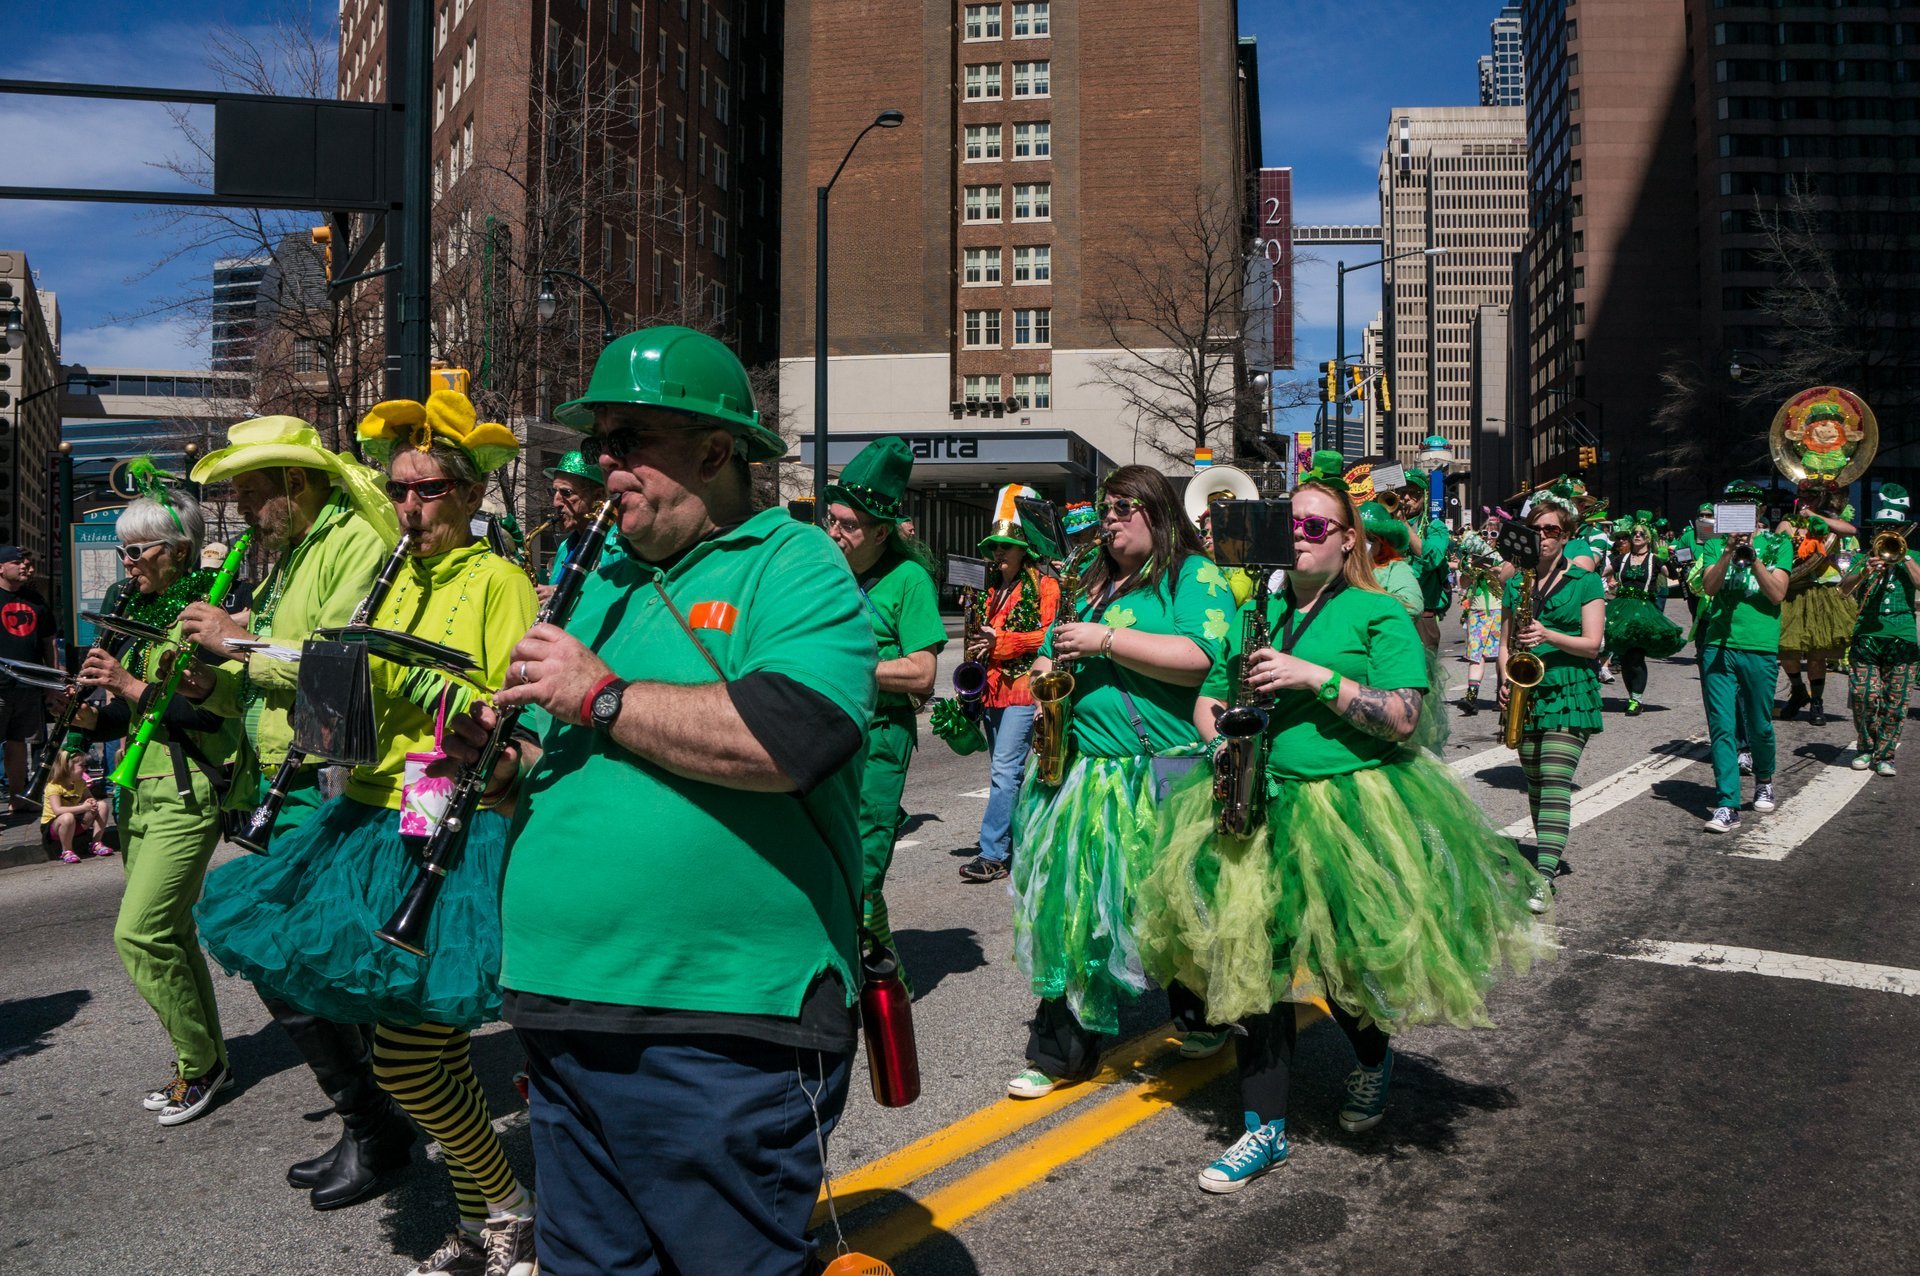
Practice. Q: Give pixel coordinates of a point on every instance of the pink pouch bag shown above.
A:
(423, 797)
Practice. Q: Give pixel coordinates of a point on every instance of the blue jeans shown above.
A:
(671, 1155)
(1007, 732)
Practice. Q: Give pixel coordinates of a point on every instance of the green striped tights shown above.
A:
(1550, 759)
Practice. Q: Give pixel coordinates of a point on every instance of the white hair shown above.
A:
(146, 519)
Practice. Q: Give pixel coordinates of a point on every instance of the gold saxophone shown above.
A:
(526, 551)
(1523, 669)
(1053, 690)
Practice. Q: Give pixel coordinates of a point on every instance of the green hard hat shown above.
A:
(577, 464)
(682, 371)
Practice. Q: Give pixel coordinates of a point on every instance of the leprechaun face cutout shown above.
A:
(1824, 427)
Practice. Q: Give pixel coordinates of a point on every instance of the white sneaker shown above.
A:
(189, 1099)
(1763, 798)
(1883, 768)
(1031, 1084)
(1746, 762)
(1202, 1044)
(1606, 674)
(1725, 820)
(1862, 762)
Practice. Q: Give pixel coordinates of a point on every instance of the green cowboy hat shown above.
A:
(577, 465)
(1891, 504)
(679, 370)
(287, 442)
(1378, 523)
(875, 481)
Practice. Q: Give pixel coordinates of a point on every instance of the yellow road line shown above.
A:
(988, 1126)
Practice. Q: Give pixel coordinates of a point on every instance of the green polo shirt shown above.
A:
(1359, 634)
(904, 610)
(1401, 580)
(316, 585)
(1740, 617)
(631, 885)
(1432, 566)
(1890, 614)
(1200, 606)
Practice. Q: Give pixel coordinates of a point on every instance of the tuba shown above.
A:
(1523, 669)
(1242, 758)
(1053, 690)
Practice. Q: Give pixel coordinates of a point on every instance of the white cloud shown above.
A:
(157, 343)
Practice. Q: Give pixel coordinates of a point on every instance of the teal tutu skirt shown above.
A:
(1818, 620)
(1078, 852)
(1384, 891)
(1635, 624)
(299, 923)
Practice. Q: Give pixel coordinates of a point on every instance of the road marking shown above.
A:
(1756, 961)
(901, 846)
(980, 793)
(1777, 836)
(1476, 763)
(1624, 786)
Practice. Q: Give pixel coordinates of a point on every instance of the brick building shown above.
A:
(970, 247)
(29, 415)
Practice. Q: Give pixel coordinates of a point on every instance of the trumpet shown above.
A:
(1523, 669)
(1890, 546)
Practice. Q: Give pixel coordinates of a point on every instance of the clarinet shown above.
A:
(50, 751)
(407, 928)
(259, 830)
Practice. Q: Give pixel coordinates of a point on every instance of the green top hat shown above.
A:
(1742, 490)
(875, 480)
(1891, 504)
(577, 465)
(1377, 522)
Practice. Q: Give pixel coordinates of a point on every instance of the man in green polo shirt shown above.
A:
(328, 523)
(1430, 563)
(864, 513)
(682, 896)
(1739, 638)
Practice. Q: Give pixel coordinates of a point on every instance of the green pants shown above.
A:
(1737, 689)
(889, 748)
(165, 846)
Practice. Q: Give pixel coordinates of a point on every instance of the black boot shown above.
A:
(379, 1140)
(1470, 705)
(1817, 713)
(340, 1056)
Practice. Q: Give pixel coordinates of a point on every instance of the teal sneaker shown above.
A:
(1204, 1044)
(1367, 1096)
(1883, 768)
(1260, 1149)
(1033, 1084)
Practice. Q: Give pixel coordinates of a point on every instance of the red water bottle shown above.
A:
(886, 1014)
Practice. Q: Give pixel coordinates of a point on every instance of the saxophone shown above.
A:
(1243, 757)
(970, 679)
(1053, 690)
(1523, 669)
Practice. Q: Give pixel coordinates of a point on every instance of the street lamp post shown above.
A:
(1341, 271)
(886, 119)
(549, 305)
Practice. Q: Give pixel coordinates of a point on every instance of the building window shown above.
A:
(701, 152)
(983, 22)
(717, 299)
(723, 37)
(306, 354)
(983, 81)
(983, 142)
(703, 86)
(606, 250)
(720, 163)
(1035, 391)
(1030, 79)
(980, 389)
(1033, 141)
(1032, 201)
(659, 271)
(681, 55)
(1032, 21)
(613, 18)
(679, 137)
(981, 266)
(631, 263)
(1033, 265)
(722, 101)
(634, 36)
(981, 328)
(719, 235)
(983, 204)
(1033, 327)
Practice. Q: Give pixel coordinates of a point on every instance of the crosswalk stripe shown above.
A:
(901, 846)
(1624, 786)
(979, 793)
(1807, 811)
(1756, 961)
(1475, 763)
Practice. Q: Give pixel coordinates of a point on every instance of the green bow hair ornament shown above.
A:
(151, 481)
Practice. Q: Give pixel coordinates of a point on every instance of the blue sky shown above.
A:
(1330, 75)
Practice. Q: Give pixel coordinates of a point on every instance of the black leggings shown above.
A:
(1266, 1056)
(1059, 1046)
(1633, 669)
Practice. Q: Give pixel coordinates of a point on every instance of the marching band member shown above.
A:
(1743, 579)
(1482, 580)
(864, 510)
(300, 922)
(1372, 881)
(1148, 619)
(1388, 541)
(578, 489)
(1435, 542)
(1816, 617)
(1014, 615)
(682, 979)
(1569, 623)
(1885, 654)
(170, 820)
(1695, 534)
(1636, 627)
(327, 522)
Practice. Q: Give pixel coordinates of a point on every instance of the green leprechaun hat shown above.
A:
(577, 465)
(1891, 504)
(1384, 526)
(875, 481)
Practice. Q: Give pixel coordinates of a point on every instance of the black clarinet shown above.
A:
(407, 928)
(259, 828)
(113, 645)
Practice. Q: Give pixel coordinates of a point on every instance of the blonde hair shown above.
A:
(1356, 567)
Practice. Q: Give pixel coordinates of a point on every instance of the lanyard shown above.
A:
(1298, 621)
(1543, 596)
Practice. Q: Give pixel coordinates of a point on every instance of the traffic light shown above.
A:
(1386, 397)
(323, 240)
(1359, 384)
(1332, 392)
(1589, 457)
(457, 380)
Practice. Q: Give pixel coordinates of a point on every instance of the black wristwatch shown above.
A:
(605, 707)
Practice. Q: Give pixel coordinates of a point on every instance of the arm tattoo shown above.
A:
(1389, 715)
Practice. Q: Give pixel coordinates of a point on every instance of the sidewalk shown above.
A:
(20, 843)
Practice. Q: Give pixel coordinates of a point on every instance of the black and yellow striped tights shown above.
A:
(427, 1071)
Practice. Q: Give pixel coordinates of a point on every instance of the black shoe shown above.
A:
(375, 1143)
(304, 1174)
(1817, 714)
(1470, 705)
(982, 869)
(1791, 709)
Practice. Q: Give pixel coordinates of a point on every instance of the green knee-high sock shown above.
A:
(1559, 757)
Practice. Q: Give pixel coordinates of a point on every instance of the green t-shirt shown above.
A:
(1400, 579)
(904, 610)
(1358, 634)
(631, 885)
(1891, 612)
(1559, 612)
(1740, 617)
(1432, 565)
(1199, 606)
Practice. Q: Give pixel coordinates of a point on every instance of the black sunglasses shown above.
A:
(425, 489)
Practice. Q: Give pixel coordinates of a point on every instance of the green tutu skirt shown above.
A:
(1079, 851)
(1436, 722)
(1635, 624)
(1567, 699)
(1384, 891)
(299, 922)
(1818, 620)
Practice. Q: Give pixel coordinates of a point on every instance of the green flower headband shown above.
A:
(151, 480)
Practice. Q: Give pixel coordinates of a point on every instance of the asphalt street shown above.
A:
(1712, 1076)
